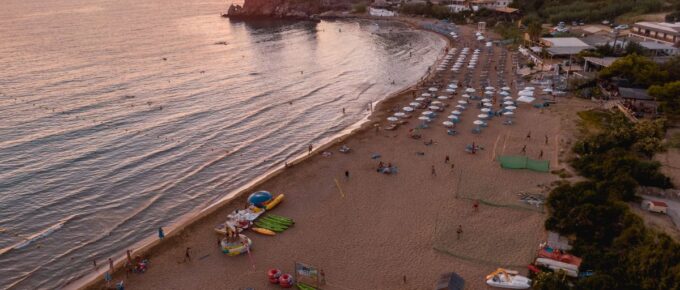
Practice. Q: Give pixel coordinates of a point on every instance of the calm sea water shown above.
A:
(120, 116)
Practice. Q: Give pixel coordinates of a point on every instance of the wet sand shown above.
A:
(373, 229)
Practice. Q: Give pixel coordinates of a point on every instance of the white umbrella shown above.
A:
(486, 100)
(453, 117)
(525, 93)
(488, 93)
(426, 95)
(450, 90)
(399, 114)
(447, 123)
(488, 105)
(505, 88)
(462, 102)
(407, 109)
(443, 97)
(460, 106)
(423, 118)
(548, 90)
(427, 113)
(420, 99)
(466, 96)
(529, 88)
(414, 104)
(507, 98)
(480, 37)
(432, 89)
(526, 99)
(508, 103)
(392, 119)
(510, 107)
(489, 88)
(434, 108)
(456, 112)
(485, 110)
(508, 113)
(436, 103)
(453, 86)
(478, 122)
(504, 93)
(483, 116)
(469, 90)
(452, 33)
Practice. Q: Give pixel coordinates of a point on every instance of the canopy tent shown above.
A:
(523, 162)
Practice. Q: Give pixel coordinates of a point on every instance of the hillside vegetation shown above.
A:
(555, 11)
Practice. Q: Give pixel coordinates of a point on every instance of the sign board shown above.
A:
(309, 275)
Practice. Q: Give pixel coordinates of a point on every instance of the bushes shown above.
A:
(612, 241)
(586, 10)
(668, 96)
(639, 70)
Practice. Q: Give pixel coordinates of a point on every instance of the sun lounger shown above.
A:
(344, 149)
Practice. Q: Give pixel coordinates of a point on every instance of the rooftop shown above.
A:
(604, 61)
(651, 45)
(658, 203)
(637, 94)
(661, 26)
(564, 42)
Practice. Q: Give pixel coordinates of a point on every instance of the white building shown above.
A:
(463, 5)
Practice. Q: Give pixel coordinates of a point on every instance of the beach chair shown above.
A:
(507, 122)
(451, 132)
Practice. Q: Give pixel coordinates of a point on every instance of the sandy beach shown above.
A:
(397, 231)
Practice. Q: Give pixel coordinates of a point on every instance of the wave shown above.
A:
(39, 235)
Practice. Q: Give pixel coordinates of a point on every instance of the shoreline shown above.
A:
(149, 245)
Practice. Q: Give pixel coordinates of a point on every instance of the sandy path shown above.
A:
(386, 226)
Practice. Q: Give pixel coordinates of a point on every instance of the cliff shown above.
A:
(283, 8)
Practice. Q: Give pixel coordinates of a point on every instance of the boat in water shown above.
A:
(502, 278)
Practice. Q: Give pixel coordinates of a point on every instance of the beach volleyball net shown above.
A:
(523, 162)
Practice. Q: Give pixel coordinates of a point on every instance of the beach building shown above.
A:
(655, 206)
(564, 46)
(498, 5)
(659, 49)
(663, 32)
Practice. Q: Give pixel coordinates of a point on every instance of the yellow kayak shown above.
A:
(274, 202)
(263, 231)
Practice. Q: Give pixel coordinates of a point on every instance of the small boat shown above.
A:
(508, 279)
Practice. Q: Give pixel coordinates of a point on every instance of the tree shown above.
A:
(668, 96)
(638, 70)
(550, 281)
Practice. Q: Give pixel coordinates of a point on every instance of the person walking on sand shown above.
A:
(94, 263)
(347, 174)
(446, 160)
(540, 155)
(434, 172)
(546, 139)
(343, 111)
(475, 205)
(309, 149)
(161, 234)
(187, 254)
(459, 231)
(524, 149)
(529, 135)
(110, 265)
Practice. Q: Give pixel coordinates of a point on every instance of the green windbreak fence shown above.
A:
(523, 162)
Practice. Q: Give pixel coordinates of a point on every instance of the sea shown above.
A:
(121, 116)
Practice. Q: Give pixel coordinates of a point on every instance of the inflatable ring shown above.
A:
(235, 248)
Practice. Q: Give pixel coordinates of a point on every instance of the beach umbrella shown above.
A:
(488, 93)
(525, 93)
(450, 90)
(469, 90)
(432, 89)
(436, 103)
(392, 119)
(443, 98)
(488, 105)
(510, 107)
(526, 99)
(456, 112)
(509, 113)
(427, 113)
(434, 108)
(259, 197)
(505, 88)
(504, 93)
(452, 117)
(425, 95)
(485, 110)
(460, 107)
(440, 69)
(486, 100)
(453, 86)
(414, 104)
(508, 103)
(548, 90)
(529, 88)
(507, 98)
(419, 99)
(462, 102)
(489, 88)
(447, 123)
(423, 118)
(399, 114)
(483, 116)
(407, 109)
(478, 122)
(452, 33)
(466, 96)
